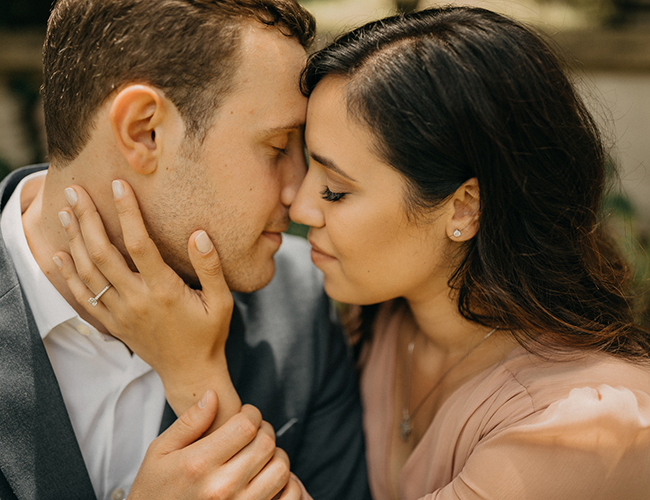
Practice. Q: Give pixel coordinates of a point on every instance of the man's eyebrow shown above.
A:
(298, 126)
(326, 162)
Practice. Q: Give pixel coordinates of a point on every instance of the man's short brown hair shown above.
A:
(186, 48)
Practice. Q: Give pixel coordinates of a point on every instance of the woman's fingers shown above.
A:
(91, 248)
(84, 267)
(139, 245)
(90, 245)
(79, 289)
(207, 265)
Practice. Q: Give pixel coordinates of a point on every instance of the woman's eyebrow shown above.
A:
(326, 162)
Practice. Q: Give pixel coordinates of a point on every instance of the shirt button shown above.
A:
(118, 494)
(83, 329)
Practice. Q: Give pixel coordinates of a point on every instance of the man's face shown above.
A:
(239, 183)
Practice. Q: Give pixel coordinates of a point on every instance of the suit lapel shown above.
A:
(39, 454)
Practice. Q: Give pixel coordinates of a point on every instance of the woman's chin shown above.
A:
(347, 294)
(335, 292)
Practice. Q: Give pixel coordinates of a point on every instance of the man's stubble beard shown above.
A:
(243, 269)
(185, 204)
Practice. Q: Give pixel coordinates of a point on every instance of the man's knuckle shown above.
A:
(281, 471)
(266, 439)
(196, 467)
(185, 422)
(268, 429)
(219, 490)
(252, 413)
(163, 297)
(278, 472)
(247, 429)
(267, 446)
(282, 455)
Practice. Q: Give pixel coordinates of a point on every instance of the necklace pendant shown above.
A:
(405, 428)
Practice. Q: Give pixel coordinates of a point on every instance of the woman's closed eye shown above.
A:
(331, 195)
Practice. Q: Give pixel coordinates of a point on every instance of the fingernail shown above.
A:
(58, 262)
(203, 402)
(71, 196)
(203, 243)
(64, 217)
(118, 190)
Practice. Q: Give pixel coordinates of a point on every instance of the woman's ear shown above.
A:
(463, 224)
(136, 116)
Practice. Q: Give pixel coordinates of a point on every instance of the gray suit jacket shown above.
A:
(286, 355)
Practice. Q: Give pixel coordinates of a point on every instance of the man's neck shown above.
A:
(44, 232)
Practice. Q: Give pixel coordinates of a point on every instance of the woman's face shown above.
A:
(361, 236)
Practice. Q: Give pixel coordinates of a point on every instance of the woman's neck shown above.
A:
(440, 323)
(444, 335)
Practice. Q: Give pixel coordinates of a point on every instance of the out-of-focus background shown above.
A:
(606, 44)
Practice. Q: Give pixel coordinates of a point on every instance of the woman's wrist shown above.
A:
(185, 386)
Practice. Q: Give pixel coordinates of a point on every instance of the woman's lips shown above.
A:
(318, 255)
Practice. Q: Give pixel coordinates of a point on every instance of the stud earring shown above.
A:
(457, 233)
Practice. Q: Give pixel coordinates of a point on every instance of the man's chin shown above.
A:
(244, 277)
(250, 279)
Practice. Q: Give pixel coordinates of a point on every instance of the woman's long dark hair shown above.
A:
(454, 93)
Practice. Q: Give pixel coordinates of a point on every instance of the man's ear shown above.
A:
(463, 224)
(137, 114)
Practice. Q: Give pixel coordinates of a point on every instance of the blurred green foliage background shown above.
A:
(605, 38)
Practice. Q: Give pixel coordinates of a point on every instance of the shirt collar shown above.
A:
(48, 306)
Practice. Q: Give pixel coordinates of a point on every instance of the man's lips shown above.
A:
(275, 236)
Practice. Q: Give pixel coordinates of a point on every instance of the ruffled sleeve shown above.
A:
(592, 445)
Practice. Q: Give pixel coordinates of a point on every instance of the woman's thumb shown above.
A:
(207, 265)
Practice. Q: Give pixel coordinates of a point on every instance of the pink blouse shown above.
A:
(524, 429)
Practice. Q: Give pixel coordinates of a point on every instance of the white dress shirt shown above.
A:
(114, 399)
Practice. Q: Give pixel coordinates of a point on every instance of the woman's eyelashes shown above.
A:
(331, 195)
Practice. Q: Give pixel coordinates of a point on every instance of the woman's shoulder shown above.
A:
(525, 387)
(590, 409)
(546, 379)
(570, 428)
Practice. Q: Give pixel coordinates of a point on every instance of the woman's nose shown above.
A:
(305, 208)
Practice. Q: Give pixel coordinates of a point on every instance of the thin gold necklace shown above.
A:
(406, 426)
